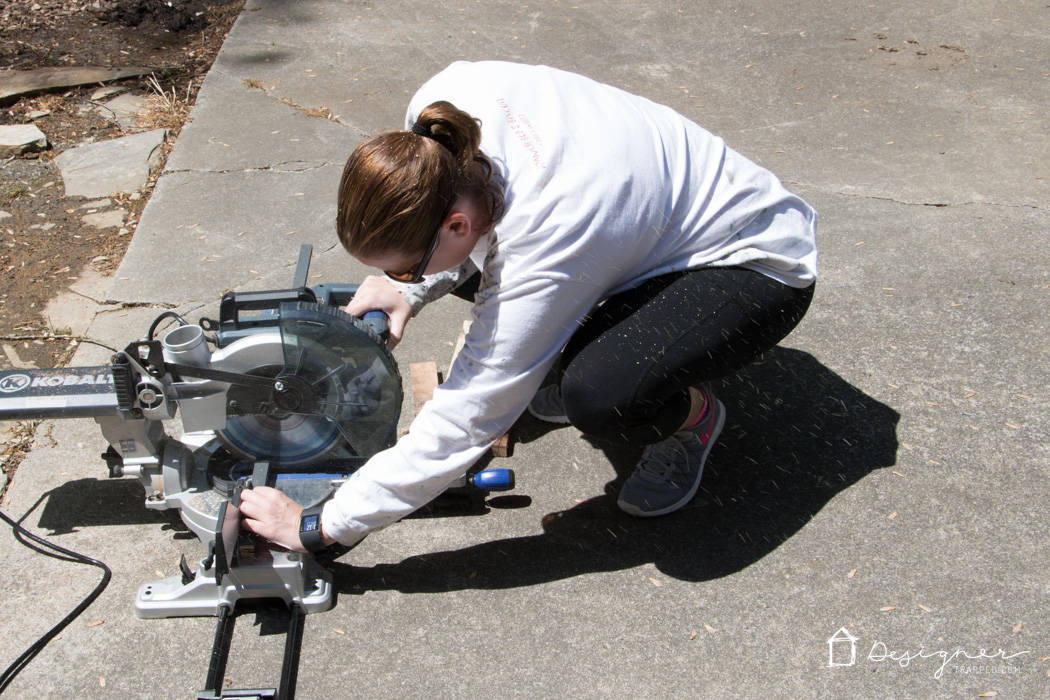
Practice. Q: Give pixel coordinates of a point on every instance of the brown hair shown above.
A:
(398, 186)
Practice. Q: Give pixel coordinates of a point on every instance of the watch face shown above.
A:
(310, 523)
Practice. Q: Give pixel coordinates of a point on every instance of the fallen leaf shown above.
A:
(888, 608)
(923, 608)
(339, 631)
(95, 623)
(1017, 627)
(709, 628)
(892, 515)
(989, 694)
(102, 681)
(693, 635)
(851, 574)
(655, 582)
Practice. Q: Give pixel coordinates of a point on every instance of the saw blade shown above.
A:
(351, 388)
(291, 440)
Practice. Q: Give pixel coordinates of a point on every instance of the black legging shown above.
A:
(626, 373)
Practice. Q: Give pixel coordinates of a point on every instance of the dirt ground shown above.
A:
(44, 244)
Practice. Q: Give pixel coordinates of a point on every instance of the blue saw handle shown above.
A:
(378, 323)
(493, 480)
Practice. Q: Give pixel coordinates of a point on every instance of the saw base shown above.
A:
(289, 576)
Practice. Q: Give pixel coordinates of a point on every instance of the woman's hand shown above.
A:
(376, 293)
(269, 513)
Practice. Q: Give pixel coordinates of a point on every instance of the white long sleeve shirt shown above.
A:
(603, 190)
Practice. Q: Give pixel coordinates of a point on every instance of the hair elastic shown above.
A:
(418, 128)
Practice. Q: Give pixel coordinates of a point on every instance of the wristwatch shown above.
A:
(310, 529)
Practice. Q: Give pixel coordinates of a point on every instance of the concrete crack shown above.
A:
(287, 166)
(114, 306)
(316, 112)
(914, 203)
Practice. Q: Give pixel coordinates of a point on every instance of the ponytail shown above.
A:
(453, 128)
(398, 186)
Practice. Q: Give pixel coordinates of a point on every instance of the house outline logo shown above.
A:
(838, 643)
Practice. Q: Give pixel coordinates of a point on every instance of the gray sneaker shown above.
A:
(668, 473)
(548, 406)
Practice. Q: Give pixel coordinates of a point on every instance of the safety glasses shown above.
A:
(414, 274)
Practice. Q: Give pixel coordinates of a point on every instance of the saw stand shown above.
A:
(240, 566)
(262, 573)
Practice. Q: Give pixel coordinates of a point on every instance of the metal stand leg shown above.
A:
(220, 652)
(293, 642)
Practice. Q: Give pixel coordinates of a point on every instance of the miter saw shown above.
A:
(284, 390)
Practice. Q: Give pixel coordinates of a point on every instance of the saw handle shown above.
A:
(339, 295)
(378, 322)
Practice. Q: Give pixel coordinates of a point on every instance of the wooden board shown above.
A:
(500, 448)
(423, 377)
(27, 82)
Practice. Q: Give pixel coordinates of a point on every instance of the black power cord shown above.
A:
(156, 322)
(67, 555)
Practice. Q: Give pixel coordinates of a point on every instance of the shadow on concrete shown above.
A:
(95, 502)
(261, 58)
(796, 435)
(293, 16)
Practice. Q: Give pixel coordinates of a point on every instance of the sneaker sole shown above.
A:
(559, 419)
(634, 510)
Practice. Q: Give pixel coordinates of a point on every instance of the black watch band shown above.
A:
(310, 529)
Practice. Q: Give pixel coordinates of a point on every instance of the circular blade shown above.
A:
(355, 382)
(342, 388)
(295, 439)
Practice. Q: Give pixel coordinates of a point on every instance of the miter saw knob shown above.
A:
(493, 480)
(114, 461)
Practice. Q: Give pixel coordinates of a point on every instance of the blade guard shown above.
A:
(356, 385)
